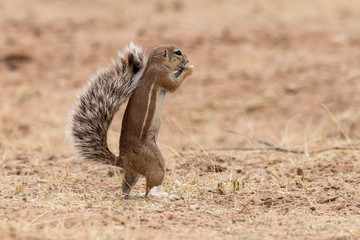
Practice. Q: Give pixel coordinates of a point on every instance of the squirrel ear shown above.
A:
(165, 53)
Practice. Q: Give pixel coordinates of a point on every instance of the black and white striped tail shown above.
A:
(98, 103)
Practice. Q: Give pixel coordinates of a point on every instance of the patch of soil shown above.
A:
(286, 73)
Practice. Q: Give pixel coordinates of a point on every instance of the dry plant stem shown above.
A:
(247, 204)
(273, 147)
(342, 130)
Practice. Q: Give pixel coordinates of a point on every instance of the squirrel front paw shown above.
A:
(189, 70)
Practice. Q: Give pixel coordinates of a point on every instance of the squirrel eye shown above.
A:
(178, 52)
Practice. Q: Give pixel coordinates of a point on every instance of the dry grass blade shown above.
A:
(277, 178)
(273, 147)
(342, 130)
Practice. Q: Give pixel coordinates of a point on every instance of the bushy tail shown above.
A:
(96, 106)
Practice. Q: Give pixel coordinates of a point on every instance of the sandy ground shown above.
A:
(285, 72)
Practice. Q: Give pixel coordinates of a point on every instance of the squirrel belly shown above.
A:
(145, 82)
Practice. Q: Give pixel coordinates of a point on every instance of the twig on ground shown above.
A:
(273, 147)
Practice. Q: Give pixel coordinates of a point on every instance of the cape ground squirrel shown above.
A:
(145, 82)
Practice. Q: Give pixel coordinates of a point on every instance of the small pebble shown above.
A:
(174, 197)
(139, 196)
(195, 207)
(158, 193)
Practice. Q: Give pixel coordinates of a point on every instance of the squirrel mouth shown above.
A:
(179, 71)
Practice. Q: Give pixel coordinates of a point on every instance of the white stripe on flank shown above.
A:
(147, 110)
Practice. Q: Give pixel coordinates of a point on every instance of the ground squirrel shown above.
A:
(144, 83)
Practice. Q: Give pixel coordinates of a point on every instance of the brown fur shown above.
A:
(146, 85)
(138, 150)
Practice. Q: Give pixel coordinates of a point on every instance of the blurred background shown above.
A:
(283, 71)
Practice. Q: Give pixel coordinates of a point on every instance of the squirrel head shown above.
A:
(172, 58)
